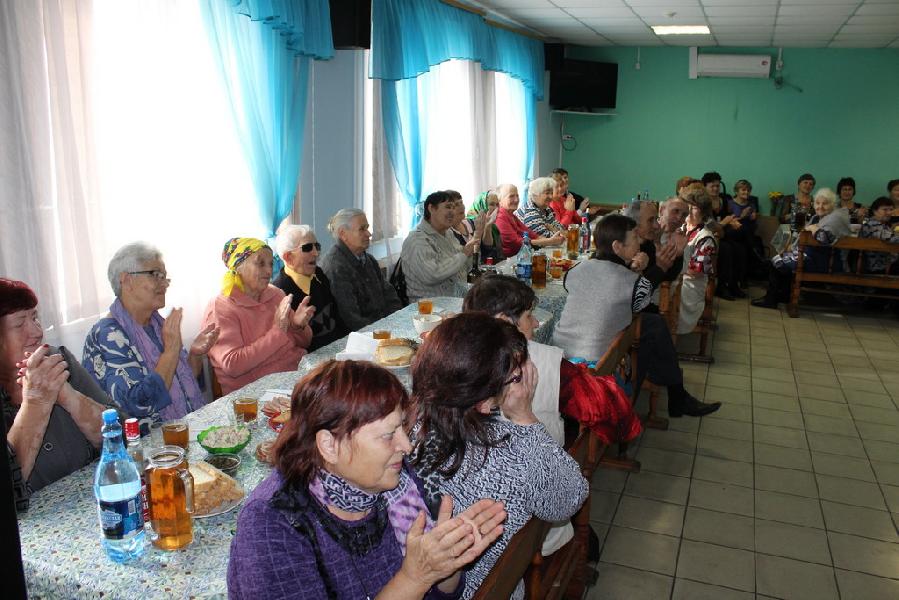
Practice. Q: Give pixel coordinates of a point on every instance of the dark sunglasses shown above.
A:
(308, 247)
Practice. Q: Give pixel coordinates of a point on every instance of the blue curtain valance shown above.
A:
(304, 25)
(411, 36)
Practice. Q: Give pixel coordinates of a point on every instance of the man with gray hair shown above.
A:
(665, 261)
(362, 293)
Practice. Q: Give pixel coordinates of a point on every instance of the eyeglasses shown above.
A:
(308, 247)
(159, 276)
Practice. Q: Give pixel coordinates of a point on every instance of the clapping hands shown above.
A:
(205, 340)
(453, 542)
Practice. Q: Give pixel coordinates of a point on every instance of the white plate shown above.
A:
(270, 395)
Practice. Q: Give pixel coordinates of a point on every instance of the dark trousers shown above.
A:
(657, 357)
(780, 283)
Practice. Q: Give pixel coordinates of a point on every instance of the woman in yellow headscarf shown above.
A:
(260, 333)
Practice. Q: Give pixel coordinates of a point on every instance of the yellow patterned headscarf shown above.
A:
(236, 251)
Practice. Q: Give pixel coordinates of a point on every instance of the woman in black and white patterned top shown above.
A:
(470, 367)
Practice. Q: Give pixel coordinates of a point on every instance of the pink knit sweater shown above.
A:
(250, 346)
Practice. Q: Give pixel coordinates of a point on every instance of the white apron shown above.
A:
(693, 286)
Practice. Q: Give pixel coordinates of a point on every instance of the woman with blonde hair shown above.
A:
(260, 332)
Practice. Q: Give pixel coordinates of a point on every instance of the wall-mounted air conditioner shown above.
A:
(729, 65)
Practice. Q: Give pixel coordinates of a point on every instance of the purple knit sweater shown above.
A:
(271, 559)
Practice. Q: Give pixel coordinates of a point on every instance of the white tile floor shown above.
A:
(790, 490)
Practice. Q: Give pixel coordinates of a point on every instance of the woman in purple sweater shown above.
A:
(341, 516)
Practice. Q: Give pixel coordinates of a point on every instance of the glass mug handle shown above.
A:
(188, 481)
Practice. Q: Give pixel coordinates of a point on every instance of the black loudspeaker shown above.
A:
(553, 56)
(351, 23)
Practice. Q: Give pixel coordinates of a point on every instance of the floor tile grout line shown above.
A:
(821, 509)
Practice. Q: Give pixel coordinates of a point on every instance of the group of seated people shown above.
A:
(830, 216)
(375, 491)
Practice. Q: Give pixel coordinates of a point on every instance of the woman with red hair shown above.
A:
(342, 516)
(51, 405)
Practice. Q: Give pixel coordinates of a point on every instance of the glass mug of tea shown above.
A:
(175, 433)
(245, 409)
(170, 488)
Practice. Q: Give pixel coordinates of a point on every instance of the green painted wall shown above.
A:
(844, 123)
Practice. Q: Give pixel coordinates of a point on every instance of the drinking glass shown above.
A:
(176, 433)
(245, 409)
(425, 307)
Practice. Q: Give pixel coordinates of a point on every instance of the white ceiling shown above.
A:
(780, 23)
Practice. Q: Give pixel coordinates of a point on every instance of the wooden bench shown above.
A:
(563, 574)
(859, 279)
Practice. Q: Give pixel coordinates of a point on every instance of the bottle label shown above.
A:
(523, 270)
(120, 520)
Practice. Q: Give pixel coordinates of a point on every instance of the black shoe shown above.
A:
(763, 302)
(693, 408)
(724, 294)
(738, 293)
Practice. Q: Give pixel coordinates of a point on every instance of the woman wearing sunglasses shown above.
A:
(301, 277)
(135, 354)
(261, 333)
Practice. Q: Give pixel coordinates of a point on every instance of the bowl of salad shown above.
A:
(224, 439)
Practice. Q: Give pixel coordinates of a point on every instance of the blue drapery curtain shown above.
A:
(411, 36)
(263, 49)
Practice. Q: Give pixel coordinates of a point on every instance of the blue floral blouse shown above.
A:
(120, 369)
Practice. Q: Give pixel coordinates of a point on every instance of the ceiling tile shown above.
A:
(869, 29)
(868, 9)
(791, 43)
(736, 2)
(811, 20)
(743, 29)
(672, 3)
(751, 10)
(607, 12)
(803, 10)
(519, 3)
(787, 2)
(664, 11)
(537, 13)
(587, 3)
(768, 21)
(875, 20)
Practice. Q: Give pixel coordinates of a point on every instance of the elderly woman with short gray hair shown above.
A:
(538, 216)
(135, 354)
(301, 276)
(362, 294)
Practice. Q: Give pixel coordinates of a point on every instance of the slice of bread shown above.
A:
(212, 488)
(396, 352)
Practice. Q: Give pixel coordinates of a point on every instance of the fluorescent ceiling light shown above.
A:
(681, 29)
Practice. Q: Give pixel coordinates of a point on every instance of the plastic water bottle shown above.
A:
(584, 234)
(523, 259)
(117, 487)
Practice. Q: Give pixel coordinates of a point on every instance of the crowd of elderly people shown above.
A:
(361, 502)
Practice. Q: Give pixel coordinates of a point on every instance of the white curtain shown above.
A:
(47, 165)
(475, 139)
(116, 130)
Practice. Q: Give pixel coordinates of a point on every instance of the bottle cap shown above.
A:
(110, 416)
(132, 429)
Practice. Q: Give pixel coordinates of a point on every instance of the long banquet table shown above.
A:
(61, 548)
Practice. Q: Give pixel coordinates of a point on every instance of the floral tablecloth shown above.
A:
(61, 548)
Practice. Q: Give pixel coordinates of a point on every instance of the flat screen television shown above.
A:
(583, 85)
